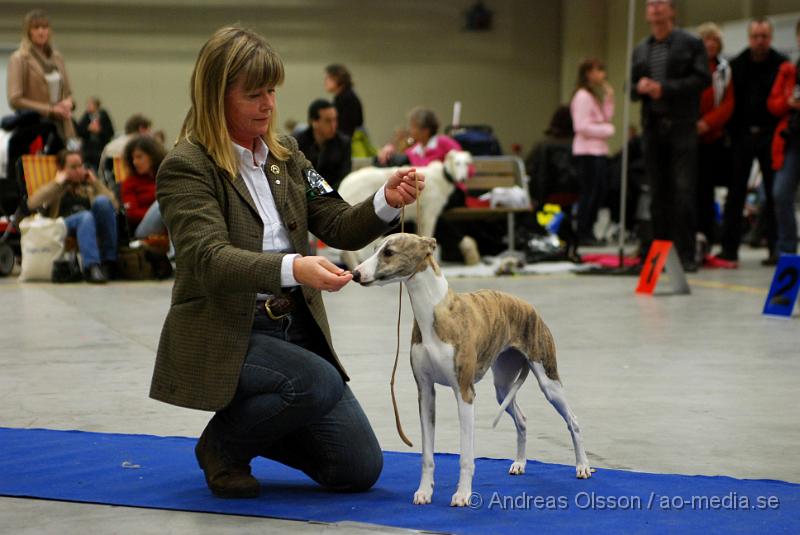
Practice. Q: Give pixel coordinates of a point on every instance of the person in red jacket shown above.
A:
(716, 109)
(143, 156)
(784, 102)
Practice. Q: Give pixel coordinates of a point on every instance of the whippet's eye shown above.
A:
(387, 252)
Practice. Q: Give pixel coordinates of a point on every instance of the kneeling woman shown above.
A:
(246, 335)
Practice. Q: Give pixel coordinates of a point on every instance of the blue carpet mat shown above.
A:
(160, 472)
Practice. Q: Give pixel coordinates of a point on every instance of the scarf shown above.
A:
(720, 79)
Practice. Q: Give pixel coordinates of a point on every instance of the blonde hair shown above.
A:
(709, 29)
(230, 53)
(35, 18)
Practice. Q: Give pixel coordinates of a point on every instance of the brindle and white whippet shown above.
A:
(455, 340)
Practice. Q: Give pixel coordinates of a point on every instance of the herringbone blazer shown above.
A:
(220, 266)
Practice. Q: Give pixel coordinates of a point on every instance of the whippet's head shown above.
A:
(398, 258)
(458, 164)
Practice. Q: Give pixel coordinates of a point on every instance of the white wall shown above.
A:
(138, 56)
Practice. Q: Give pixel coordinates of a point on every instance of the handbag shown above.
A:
(67, 268)
(41, 242)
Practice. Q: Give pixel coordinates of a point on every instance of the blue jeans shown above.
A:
(96, 230)
(151, 223)
(784, 190)
(292, 406)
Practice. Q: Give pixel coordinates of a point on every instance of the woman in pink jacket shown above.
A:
(592, 108)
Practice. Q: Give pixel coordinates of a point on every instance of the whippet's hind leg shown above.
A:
(427, 418)
(506, 369)
(554, 393)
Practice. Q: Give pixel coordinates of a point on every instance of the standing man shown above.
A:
(670, 70)
(752, 127)
(323, 145)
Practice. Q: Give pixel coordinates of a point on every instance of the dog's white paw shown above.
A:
(421, 497)
(460, 499)
(517, 469)
(583, 471)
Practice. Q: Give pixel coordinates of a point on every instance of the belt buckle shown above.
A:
(271, 315)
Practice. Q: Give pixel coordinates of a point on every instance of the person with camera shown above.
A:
(89, 211)
(784, 102)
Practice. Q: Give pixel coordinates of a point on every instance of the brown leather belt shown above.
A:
(277, 306)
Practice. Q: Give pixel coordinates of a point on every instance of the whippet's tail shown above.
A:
(512, 392)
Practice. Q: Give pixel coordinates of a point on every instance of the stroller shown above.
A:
(32, 172)
(30, 134)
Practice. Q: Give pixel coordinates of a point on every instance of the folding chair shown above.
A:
(37, 170)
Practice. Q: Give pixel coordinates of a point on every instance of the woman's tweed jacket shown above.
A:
(217, 234)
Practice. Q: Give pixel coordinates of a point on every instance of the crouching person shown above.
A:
(89, 211)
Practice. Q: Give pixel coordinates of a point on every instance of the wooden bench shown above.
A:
(493, 172)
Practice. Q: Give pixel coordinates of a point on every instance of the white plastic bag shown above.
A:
(513, 197)
(41, 241)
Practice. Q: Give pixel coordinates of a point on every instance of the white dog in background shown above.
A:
(364, 182)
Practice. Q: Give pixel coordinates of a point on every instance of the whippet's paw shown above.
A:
(583, 471)
(421, 497)
(460, 499)
(517, 469)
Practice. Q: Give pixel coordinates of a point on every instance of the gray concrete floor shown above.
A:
(700, 384)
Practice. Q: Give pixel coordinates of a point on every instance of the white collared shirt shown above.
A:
(276, 237)
(431, 145)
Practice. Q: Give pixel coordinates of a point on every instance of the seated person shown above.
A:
(327, 149)
(143, 156)
(428, 145)
(137, 124)
(89, 211)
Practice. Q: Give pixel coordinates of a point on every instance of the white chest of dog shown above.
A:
(456, 339)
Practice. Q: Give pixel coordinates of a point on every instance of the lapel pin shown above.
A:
(278, 182)
(275, 169)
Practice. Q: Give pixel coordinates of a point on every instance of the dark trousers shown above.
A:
(593, 171)
(670, 155)
(293, 406)
(748, 146)
(712, 164)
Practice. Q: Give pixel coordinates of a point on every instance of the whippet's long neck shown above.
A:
(427, 288)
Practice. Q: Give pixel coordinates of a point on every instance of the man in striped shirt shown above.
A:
(669, 72)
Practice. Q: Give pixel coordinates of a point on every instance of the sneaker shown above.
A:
(717, 262)
(771, 260)
(94, 274)
(690, 266)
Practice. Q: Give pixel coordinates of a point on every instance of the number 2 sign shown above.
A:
(785, 285)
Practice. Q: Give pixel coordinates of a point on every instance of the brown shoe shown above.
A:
(226, 476)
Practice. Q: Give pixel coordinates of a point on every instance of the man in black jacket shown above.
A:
(327, 149)
(670, 70)
(752, 127)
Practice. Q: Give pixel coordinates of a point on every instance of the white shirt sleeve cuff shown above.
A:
(385, 212)
(287, 271)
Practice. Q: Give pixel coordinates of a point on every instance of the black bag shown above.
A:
(66, 268)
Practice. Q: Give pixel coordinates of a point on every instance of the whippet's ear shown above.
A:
(430, 243)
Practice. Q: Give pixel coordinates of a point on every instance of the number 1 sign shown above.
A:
(785, 285)
(662, 255)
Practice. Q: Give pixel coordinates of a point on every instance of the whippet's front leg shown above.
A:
(427, 418)
(466, 420)
(554, 393)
